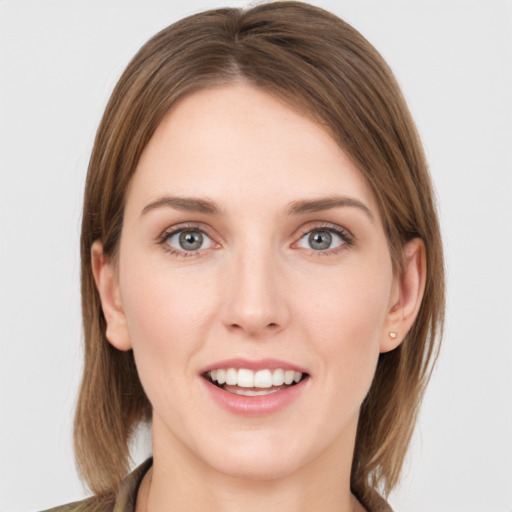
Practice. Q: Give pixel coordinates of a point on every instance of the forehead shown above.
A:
(238, 142)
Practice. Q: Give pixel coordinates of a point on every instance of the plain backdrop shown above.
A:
(59, 61)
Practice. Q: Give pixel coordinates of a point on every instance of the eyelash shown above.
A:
(162, 239)
(347, 237)
(344, 234)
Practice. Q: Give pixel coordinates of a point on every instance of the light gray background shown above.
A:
(59, 61)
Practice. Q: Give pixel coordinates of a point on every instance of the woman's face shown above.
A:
(251, 248)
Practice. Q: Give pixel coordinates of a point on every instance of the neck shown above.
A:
(184, 482)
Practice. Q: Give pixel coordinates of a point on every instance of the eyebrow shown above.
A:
(326, 203)
(186, 204)
(299, 207)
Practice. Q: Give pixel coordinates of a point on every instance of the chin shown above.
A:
(254, 456)
(272, 467)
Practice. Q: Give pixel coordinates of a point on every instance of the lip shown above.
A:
(254, 365)
(255, 405)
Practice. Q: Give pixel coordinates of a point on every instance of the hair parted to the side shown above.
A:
(322, 66)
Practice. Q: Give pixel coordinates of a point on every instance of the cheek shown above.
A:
(346, 318)
(161, 300)
(162, 314)
(167, 319)
(352, 302)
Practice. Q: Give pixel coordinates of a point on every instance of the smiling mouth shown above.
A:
(246, 382)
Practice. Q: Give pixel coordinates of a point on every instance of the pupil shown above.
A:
(191, 240)
(320, 240)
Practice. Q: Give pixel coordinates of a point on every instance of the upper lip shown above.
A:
(254, 365)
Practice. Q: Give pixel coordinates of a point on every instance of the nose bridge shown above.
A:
(253, 299)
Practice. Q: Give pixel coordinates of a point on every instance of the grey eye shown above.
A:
(320, 240)
(191, 240)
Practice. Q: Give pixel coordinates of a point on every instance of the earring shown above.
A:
(393, 335)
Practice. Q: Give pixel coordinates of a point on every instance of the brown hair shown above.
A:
(324, 67)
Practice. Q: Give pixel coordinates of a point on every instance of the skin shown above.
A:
(256, 289)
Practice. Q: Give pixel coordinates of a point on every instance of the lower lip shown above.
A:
(256, 405)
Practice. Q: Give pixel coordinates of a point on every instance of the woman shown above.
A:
(262, 273)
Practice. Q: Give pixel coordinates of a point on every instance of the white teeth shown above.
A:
(221, 376)
(231, 377)
(263, 379)
(252, 392)
(288, 376)
(245, 378)
(278, 377)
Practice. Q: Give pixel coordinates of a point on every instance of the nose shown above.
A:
(254, 301)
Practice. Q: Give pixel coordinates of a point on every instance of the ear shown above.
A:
(105, 277)
(407, 295)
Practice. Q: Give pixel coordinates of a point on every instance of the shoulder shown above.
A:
(122, 499)
(88, 505)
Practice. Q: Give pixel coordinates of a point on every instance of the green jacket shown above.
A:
(125, 498)
(123, 501)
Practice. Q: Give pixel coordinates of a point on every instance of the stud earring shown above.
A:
(393, 335)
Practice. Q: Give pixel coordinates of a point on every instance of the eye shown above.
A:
(322, 239)
(188, 240)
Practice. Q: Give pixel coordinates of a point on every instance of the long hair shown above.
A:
(322, 66)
